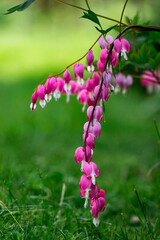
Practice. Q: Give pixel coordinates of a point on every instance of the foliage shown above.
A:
(20, 7)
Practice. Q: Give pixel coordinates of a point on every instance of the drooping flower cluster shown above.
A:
(88, 185)
(92, 93)
(150, 81)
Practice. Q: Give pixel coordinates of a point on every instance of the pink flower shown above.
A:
(97, 113)
(82, 98)
(97, 205)
(93, 192)
(105, 93)
(53, 83)
(74, 88)
(90, 100)
(41, 92)
(118, 45)
(107, 78)
(109, 40)
(85, 186)
(34, 99)
(41, 95)
(88, 190)
(123, 46)
(90, 57)
(96, 91)
(128, 82)
(90, 85)
(101, 193)
(150, 81)
(100, 66)
(113, 58)
(103, 55)
(78, 69)
(94, 128)
(91, 170)
(80, 154)
(89, 140)
(96, 78)
(123, 82)
(105, 43)
(67, 76)
(60, 85)
(59, 89)
(67, 86)
(47, 87)
(147, 79)
(120, 79)
(48, 90)
(102, 42)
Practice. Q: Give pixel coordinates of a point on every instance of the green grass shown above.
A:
(37, 158)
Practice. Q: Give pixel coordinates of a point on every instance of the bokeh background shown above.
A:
(37, 148)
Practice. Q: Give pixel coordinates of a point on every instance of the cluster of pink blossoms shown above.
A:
(90, 93)
(88, 185)
(150, 81)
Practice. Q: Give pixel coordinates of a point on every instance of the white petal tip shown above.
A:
(32, 106)
(86, 203)
(96, 221)
(48, 97)
(90, 69)
(42, 103)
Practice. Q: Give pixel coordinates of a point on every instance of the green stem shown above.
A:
(122, 15)
(148, 224)
(87, 4)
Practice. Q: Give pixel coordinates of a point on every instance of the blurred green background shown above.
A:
(37, 148)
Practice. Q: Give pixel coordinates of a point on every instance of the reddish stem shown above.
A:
(122, 15)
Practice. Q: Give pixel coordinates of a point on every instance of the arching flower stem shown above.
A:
(78, 60)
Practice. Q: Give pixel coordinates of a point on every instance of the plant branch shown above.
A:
(122, 15)
(87, 4)
(56, 75)
(98, 15)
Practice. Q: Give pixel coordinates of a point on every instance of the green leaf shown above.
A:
(92, 17)
(155, 63)
(138, 65)
(135, 20)
(20, 7)
(107, 30)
